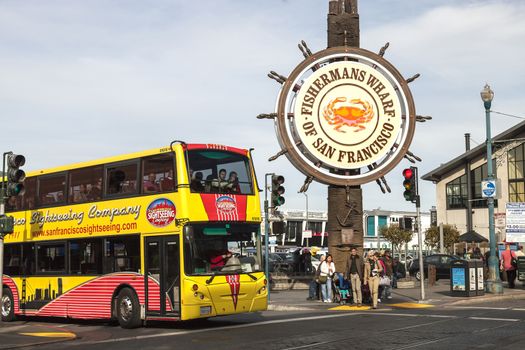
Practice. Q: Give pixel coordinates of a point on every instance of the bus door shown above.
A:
(162, 275)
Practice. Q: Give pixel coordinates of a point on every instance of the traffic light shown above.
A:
(277, 190)
(15, 176)
(410, 184)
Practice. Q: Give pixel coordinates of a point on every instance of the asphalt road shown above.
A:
(485, 326)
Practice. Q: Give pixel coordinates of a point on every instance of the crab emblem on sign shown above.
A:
(355, 113)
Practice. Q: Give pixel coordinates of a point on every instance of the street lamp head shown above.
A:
(487, 95)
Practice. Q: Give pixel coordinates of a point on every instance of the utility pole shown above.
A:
(420, 247)
(266, 232)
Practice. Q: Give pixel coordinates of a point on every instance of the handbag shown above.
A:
(323, 279)
(384, 281)
(514, 261)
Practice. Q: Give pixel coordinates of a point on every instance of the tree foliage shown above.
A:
(450, 236)
(395, 235)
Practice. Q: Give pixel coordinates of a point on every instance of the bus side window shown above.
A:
(12, 259)
(122, 178)
(122, 254)
(51, 189)
(51, 257)
(158, 174)
(85, 184)
(28, 259)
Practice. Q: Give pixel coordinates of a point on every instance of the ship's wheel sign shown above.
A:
(345, 116)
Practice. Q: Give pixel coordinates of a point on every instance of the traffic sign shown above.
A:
(488, 188)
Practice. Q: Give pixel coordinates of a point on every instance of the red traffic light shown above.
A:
(408, 173)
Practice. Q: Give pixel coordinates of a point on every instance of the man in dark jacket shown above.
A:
(354, 272)
(389, 271)
(313, 290)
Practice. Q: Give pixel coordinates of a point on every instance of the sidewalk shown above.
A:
(437, 295)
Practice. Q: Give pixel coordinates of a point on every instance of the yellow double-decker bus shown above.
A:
(165, 234)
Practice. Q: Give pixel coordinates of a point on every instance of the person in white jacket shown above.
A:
(325, 278)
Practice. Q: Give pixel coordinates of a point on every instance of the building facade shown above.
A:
(287, 227)
(459, 199)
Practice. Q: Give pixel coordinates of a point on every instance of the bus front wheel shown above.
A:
(128, 309)
(7, 305)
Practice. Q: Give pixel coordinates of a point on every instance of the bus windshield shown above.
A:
(215, 171)
(222, 249)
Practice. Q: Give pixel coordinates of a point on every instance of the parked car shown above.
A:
(440, 261)
(402, 258)
(274, 263)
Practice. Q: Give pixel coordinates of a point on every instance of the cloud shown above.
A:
(92, 79)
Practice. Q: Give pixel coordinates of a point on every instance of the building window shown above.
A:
(316, 227)
(382, 221)
(477, 176)
(370, 226)
(457, 193)
(516, 174)
(293, 230)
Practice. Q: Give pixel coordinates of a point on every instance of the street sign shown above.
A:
(515, 225)
(488, 188)
(307, 234)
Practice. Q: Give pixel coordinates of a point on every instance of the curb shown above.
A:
(273, 307)
(520, 296)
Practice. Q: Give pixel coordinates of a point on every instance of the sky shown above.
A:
(81, 80)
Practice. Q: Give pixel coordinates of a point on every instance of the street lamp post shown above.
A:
(494, 282)
(306, 226)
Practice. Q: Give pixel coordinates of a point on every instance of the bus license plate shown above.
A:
(205, 310)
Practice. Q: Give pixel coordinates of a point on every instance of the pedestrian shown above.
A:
(325, 278)
(297, 265)
(354, 271)
(381, 288)
(399, 271)
(313, 290)
(389, 272)
(476, 254)
(508, 262)
(371, 275)
(307, 261)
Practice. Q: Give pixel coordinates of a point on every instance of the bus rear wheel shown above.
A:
(7, 305)
(128, 309)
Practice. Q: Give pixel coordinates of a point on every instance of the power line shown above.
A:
(476, 142)
(508, 115)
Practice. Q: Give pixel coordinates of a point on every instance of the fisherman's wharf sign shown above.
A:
(345, 116)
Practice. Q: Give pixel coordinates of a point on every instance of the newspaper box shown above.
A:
(521, 268)
(466, 278)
